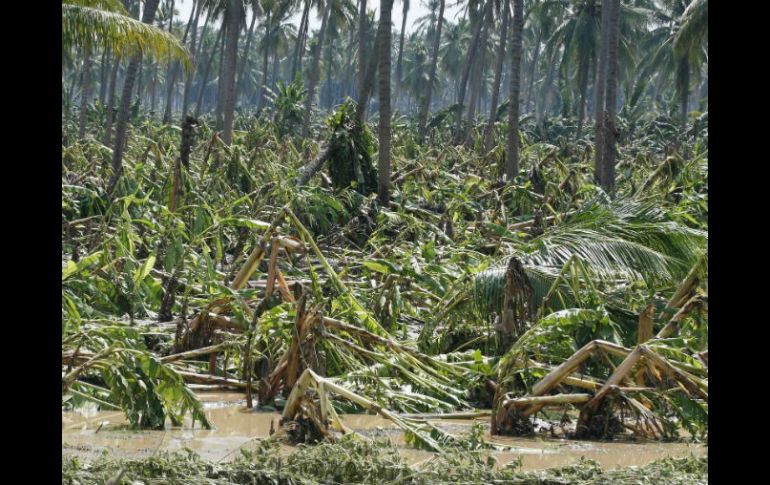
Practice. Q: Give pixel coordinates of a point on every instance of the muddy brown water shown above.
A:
(88, 434)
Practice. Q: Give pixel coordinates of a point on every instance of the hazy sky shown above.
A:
(416, 10)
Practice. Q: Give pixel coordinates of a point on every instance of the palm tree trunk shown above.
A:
(547, 90)
(245, 55)
(85, 96)
(265, 57)
(496, 83)
(296, 65)
(154, 87)
(383, 70)
(314, 74)
(683, 79)
(583, 77)
(423, 117)
(230, 60)
(533, 71)
(207, 70)
(276, 63)
(401, 49)
(328, 97)
(219, 107)
(169, 73)
(148, 16)
(469, 62)
(196, 49)
(104, 70)
(599, 95)
(191, 74)
(610, 105)
(512, 145)
(478, 73)
(139, 78)
(361, 46)
(111, 102)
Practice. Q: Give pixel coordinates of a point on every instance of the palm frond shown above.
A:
(88, 27)
(692, 29)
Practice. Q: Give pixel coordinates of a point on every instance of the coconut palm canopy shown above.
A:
(105, 24)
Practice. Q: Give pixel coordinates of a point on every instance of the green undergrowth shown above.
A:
(353, 461)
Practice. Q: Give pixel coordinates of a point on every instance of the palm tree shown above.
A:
(599, 95)
(107, 25)
(256, 11)
(469, 61)
(664, 60)
(610, 134)
(383, 71)
(693, 28)
(401, 48)
(498, 74)
(148, 15)
(314, 69)
(233, 15)
(578, 36)
(512, 145)
(423, 116)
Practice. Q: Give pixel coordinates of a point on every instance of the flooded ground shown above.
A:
(89, 434)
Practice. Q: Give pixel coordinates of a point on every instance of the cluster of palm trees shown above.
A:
(582, 59)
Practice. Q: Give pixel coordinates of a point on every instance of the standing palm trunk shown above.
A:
(265, 56)
(401, 50)
(469, 62)
(233, 13)
(170, 72)
(203, 82)
(599, 94)
(478, 73)
(314, 74)
(111, 101)
(85, 95)
(198, 51)
(512, 145)
(610, 129)
(683, 81)
(423, 118)
(245, 56)
(148, 16)
(361, 59)
(496, 84)
(383, 70)
(299, 48)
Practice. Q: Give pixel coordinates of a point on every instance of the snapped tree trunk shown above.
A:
(121, 128)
